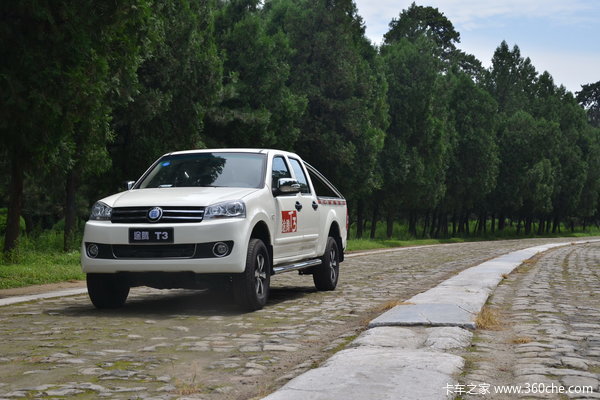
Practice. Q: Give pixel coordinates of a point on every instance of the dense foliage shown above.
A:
(414, 130)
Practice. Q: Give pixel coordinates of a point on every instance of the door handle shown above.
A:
(315, 205)
(298, 206)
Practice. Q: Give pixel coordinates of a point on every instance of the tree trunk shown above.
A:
(15, 203)
(425, 224)
(390, 223)
(435, 221)
(493, 226)
(454, 224)
(442, 227)
(374, 219)
(412, 224)
(527, 225)
(360, 216)
(70, 209)
(29, 224)
(555, 223)
(481, 222)
(541, 227)
(501, 222)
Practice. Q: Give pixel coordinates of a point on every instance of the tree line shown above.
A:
(412, 130)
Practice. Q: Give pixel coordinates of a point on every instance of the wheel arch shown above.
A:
(261, 231)
(335, 233)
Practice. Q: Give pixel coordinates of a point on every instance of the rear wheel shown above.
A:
(326, 275)
(106, 290)
(251, 288)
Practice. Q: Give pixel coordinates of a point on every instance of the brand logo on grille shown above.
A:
(155, 214)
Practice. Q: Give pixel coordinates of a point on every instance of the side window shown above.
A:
(322, 188)
(280, 170)
(300, 176)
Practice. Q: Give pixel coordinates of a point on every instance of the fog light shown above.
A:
(220, 249)
(92, 250)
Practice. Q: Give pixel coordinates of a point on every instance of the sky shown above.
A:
(559, 36)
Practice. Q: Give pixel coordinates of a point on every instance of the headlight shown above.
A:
(227, 209)
(101, 212)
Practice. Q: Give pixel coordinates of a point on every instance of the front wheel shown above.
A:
(106, 290)
(326, 275)
(251, 288)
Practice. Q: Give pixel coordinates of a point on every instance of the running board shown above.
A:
(296, 266)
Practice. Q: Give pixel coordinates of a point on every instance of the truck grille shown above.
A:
(154, 251)
(172, 215)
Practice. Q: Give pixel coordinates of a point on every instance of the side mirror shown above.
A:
(287, 186)
(129, 184)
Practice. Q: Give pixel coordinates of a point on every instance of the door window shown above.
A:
(280, 170)
(300, 175)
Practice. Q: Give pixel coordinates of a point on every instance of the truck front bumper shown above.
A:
(106, 248)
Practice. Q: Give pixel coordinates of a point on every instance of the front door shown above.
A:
(288, 235)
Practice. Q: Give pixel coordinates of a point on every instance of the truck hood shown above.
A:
(181, 196)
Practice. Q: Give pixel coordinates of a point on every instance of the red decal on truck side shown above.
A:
(289, 221)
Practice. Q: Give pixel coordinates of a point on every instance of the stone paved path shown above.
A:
(549, 310)
(183, 344)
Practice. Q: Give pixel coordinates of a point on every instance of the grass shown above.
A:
(488, 319)
(521, 340)
(388, 305)
(39, 261)
(401, 237)
(400, 233)
(368, 244)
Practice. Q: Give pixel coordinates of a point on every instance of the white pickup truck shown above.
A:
(224, 216)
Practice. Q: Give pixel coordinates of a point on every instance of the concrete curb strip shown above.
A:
(392, 361)
(50, 295)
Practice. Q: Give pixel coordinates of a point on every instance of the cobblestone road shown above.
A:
(550, 336)
(182, 344)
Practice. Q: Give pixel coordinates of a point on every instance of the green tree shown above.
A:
(416, 52)
(417, 21)
(415, 152)
(178, 84)
(589, 98)
(105, 51)
(259, 109)
(526, 175)
(473, 166)
(55, 87)
(572, 168)
(589, 201)
(335, 68)
(511, 79)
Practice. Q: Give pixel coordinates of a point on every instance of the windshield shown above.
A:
(245, 170)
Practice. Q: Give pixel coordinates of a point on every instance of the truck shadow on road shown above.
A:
(165, 304)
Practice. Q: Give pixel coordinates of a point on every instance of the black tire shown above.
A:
(326, 275)
(251, 288)
(106, 290)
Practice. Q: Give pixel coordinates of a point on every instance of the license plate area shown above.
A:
(151, 235)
